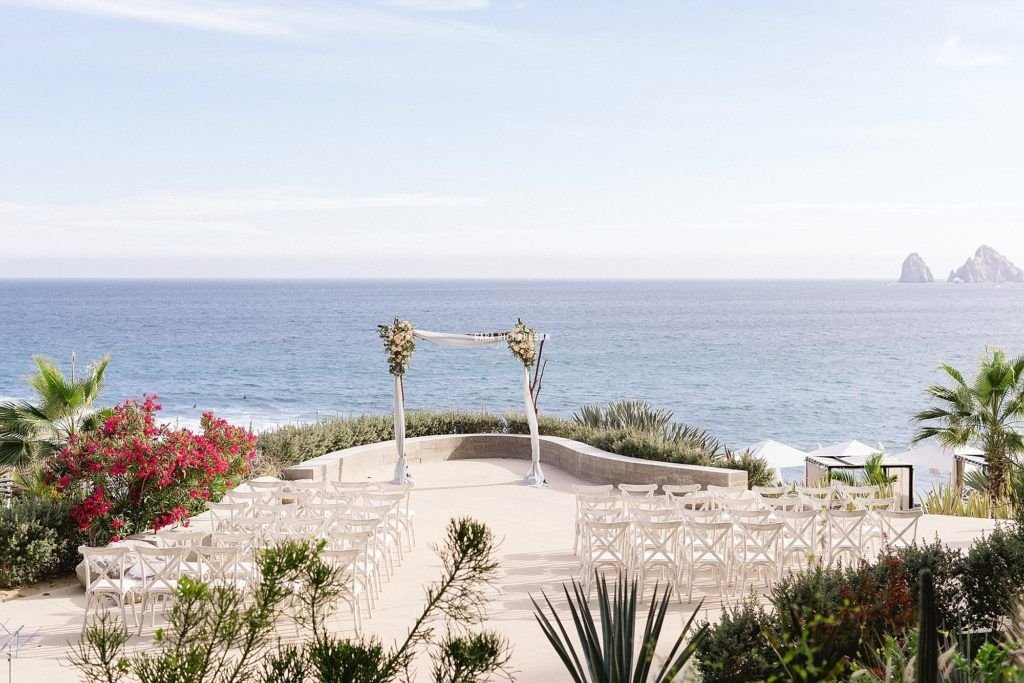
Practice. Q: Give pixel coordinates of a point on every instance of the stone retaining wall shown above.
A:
(578, 459)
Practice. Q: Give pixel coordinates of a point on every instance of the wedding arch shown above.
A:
(400, 342)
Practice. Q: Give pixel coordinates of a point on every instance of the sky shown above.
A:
(518, 138)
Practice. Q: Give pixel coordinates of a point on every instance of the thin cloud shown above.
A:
(881, 207)
(288, 22)
(955, 53)
(439, 5)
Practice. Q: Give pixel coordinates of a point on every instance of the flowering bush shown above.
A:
(522, 342)
(399, 345)
(131, 474)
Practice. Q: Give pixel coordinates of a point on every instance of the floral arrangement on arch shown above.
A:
(399, 345)
(522, 342)
(131, 474)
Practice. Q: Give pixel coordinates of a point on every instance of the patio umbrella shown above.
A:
(778, 455)
(935, 457)
(846, 449)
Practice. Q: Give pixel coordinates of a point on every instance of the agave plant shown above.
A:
(606, 651)
(636, 415)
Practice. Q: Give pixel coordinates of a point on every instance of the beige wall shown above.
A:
(578, 459)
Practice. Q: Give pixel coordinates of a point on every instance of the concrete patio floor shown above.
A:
(535, 527)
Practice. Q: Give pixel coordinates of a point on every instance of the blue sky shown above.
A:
(523, 138)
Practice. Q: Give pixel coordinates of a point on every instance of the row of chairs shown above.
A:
(364, 528)
(733, 535)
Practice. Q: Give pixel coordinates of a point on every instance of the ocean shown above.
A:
(803, 362)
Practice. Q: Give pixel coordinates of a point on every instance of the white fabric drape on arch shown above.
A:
(535, 477)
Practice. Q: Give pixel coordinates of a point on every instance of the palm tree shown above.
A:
(986, 412)
(32, 431)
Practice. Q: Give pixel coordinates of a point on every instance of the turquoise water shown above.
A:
(799, 361)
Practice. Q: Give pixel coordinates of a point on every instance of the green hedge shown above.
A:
(841, 616)
(38, 540)
(295, 443)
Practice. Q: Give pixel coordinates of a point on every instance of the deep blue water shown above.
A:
(800, 361)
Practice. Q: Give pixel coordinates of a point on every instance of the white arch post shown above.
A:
(535, 476)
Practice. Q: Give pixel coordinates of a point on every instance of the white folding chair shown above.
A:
(595, 490)
(845, 534)
(727, 491)
(637, 490)
(158, 571)
(223, 515)
(607, 547)
(899, 527)
(345, 562)
(801, 536)
(367, 571)
(710, 547)
(674, 490)
(587, 502)
(106, 578)
(181, 537)
(406, 515)
(693, 501)
(657, 551)
(250, 498)
(220, 566)
(759, 548)
(770, 491)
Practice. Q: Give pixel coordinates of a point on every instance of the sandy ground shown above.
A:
(535, 527)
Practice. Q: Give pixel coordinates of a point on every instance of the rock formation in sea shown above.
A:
(916, 270)
(987, 265)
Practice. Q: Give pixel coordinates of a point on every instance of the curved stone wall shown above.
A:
(575, 458)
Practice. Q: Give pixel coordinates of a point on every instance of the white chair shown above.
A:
(727, 491)
(593, 490)
(770, 491)
(637, 490)
(597, 501)
(899, 527)
(657, 551)
(759, 548)
(366, 567)
(181, 537)
(845, 534)
(346, 562)
(406, 515)
(693, 501)
(816, 492)
(801, 537)
(673, 490)
(855, 492)
(223, 515)
(250, 498)
(220, 567)
(783, 503)
(106, 578)
(314, 488)
(607, 547)
(158, 571)
(710, 547)
(653, 504)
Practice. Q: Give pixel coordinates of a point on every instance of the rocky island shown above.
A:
(987, 265)
(915, 270)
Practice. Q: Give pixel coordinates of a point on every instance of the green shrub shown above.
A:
(37, 541)
(736, 649)
(992, 576)
(294, 443)
(946, 565)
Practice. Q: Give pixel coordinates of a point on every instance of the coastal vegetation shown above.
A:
(638, 431)
(229, 634)
(32, 431)
(987, 411)
(860, 621)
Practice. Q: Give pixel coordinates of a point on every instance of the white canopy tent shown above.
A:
(535, 477)
(846, 448)
(934, 456)
(778, 455)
